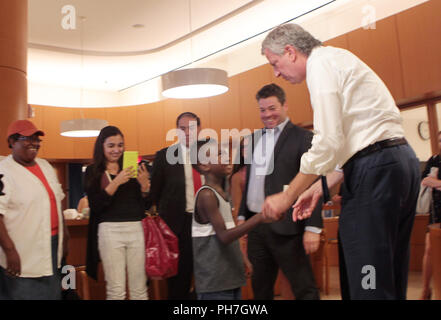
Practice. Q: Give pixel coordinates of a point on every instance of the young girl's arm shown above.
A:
(208, 210)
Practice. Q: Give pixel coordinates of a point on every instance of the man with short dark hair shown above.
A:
(284, 244)
(173, 185)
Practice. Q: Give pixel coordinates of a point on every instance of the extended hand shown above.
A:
(275, 206)
(430, 182)
(305, 204)
(311, 241)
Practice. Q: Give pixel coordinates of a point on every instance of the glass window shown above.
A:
(416, 130)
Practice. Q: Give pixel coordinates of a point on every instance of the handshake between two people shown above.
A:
(276, 205)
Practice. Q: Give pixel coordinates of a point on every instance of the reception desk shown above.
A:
(78, 242)
(87, 288)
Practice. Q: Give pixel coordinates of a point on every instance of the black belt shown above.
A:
(377, 146)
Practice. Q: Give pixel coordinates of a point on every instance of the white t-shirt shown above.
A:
(189, 185)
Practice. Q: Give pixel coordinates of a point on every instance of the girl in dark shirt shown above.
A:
(434, 217)
(117, 204)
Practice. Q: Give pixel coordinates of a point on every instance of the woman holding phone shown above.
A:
(117, 204)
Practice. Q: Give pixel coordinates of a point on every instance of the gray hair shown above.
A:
(290, 34)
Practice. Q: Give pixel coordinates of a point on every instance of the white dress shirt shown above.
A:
(352, 109)
(189, 185)
(260, 167)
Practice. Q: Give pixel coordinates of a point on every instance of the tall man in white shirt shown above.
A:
(357, 128)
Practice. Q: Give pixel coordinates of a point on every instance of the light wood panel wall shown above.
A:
(419, 32)
(150, 127)
(379, 49)
(249, 83)
(403, 50)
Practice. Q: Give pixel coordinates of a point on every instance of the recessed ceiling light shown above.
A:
(138, 25)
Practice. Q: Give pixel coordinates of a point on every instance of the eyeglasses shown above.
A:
(29, 139)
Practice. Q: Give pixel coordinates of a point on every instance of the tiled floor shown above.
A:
(413, 289)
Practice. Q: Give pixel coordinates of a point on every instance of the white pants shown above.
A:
(121, 245)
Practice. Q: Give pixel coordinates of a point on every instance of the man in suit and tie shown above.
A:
(173, 185)
(276, 160)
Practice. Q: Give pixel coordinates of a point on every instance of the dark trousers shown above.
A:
(179, 286)
(268, 252)
(41, 288)
(380, 192)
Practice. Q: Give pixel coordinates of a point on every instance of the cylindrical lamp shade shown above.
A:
(81, 128)
(194, 83)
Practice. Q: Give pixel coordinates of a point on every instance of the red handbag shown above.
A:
(161, 248)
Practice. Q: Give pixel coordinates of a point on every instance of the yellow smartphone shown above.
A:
(130, 158)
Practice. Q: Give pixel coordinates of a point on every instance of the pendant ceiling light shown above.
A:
(80, 128)
(194, 83)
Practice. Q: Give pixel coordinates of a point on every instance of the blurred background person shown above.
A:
(117, 205)
(83, 207)
(33, 236)
(174, 185)
(434, 214)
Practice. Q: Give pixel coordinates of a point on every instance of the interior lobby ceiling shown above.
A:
(95, 53)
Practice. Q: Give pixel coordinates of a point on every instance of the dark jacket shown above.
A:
(167, 190)
(292, 143)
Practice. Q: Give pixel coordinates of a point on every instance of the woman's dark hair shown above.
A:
(99, 159)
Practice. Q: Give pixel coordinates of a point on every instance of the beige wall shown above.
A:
(411, 119)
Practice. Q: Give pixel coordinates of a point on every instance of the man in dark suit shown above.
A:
(283, 244)
(172, 190)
